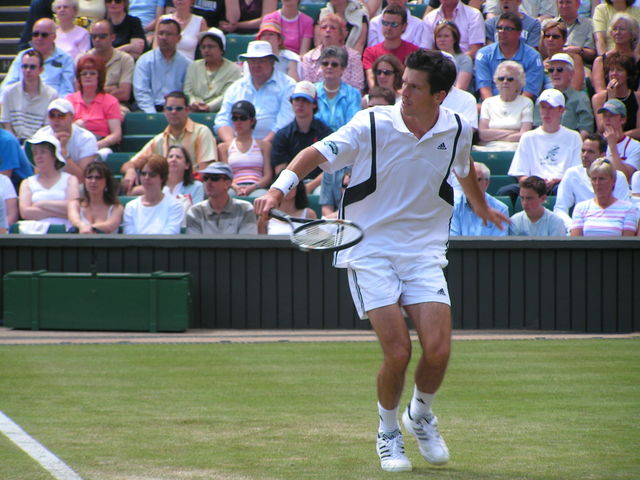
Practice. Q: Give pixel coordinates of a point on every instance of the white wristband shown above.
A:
(286, 182)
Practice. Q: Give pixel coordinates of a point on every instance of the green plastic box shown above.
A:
(153, 302)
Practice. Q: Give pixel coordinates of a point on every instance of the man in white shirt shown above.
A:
(414, 33)
(399, 263)
(79, 146)
(548, 150)
(575, 185)
(535, 220)
(623, 151)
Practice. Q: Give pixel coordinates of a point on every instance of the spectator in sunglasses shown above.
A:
(337, 101)
(554, 37)
(508, 47)
(387, 73)
(24, 106)
(58, 72)
(119, 64)
(220, 213)
(579, 39)
(578, 114)
(506, 116)
(414, 33)
(155, 212)
(181, 130)
(394, 23)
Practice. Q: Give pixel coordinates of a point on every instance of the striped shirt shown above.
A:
(26, 113)
(610, 221)
(248, 167)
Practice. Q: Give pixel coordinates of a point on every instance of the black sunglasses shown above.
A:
(508, 79)
(555, 36)
(386, 73)
(326, 63)
(101, 36)
(239, 118)
(213, 177)
(26, 66)
(37, 34)
(555, 69)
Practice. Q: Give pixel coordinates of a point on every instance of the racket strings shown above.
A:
(326, 235)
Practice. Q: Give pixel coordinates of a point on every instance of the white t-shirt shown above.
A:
(82, 143)
(404, 204)
(463, 103)
(508, 115)
(576, 187)
(165, 218)
(547, 155)
(549, 225)
(629, 151)
(7, 192)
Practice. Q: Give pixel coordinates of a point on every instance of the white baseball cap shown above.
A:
(305, 89)
(62, 105)
(553, 97)
(257, 49)
(563, 57)
(213, 32)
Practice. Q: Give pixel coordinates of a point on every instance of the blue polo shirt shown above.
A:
(488, 58)
(12, 156)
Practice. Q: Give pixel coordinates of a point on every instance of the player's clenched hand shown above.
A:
(269, 200)
(492, 215)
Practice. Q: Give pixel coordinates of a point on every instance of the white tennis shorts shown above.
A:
(380, 281)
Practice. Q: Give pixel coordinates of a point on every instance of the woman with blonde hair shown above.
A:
(70, 38)
(446, 38)
(604, 215)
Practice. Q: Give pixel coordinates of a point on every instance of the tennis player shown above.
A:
(401, 157)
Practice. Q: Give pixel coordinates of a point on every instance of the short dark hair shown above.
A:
(596, 137)
(625, 61)
(441, 70)
(513, 18)
(396, 10)
(536, 184)
(384, 93)
(177, 94)
(335, 52)
(170, 21)
(32, 52)
(215, 38)
(157, 163)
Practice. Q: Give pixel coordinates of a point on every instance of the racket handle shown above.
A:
(278, 214)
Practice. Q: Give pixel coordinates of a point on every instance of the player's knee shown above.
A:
(438, 354)
(398, 357)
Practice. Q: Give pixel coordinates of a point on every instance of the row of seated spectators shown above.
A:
(336, 101)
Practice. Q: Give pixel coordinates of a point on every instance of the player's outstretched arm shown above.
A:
(302, 164)
(478, 202)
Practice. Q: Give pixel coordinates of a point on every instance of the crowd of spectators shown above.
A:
(552, 82)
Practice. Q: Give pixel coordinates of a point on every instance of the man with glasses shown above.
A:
(465, 222)
(265, 87)
(414, 32)
(24, 104)
(78, 145)
(120, 65)
(220, 214)
(58, 70)
(578, 114)
(530, 26)
(468, 20)
(160, 71)
(394, 24)
(196, 138)
(508, 47)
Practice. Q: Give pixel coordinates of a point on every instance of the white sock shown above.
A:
(388, 419)
(420, 405)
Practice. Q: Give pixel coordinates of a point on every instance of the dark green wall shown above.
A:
(261, 282)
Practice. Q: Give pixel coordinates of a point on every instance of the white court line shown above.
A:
(48, 461)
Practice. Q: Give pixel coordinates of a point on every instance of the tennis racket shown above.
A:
(327, 235)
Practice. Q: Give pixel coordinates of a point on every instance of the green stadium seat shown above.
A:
(134, 143)
(140, 123)
(312, 9)
(506, 199)
(498, 162)
(498, 181)
(236, 44)
(116, 160)
(205, 118)
(53, 228)
(417, 9)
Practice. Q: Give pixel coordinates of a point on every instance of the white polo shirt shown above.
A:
(404, 204)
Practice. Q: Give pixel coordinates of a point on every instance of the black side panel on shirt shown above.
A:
(358, 192)
(446, 190)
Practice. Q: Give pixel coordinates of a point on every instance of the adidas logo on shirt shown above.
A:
(442, 146)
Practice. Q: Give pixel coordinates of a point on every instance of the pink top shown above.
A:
(74, 43)
(294, 30)
(96, 115)
(610, 221)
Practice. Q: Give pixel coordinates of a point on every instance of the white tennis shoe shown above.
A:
(430, 442)
(390, 448)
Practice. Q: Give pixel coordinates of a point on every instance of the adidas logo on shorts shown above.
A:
(442, 146)
(441, 292)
